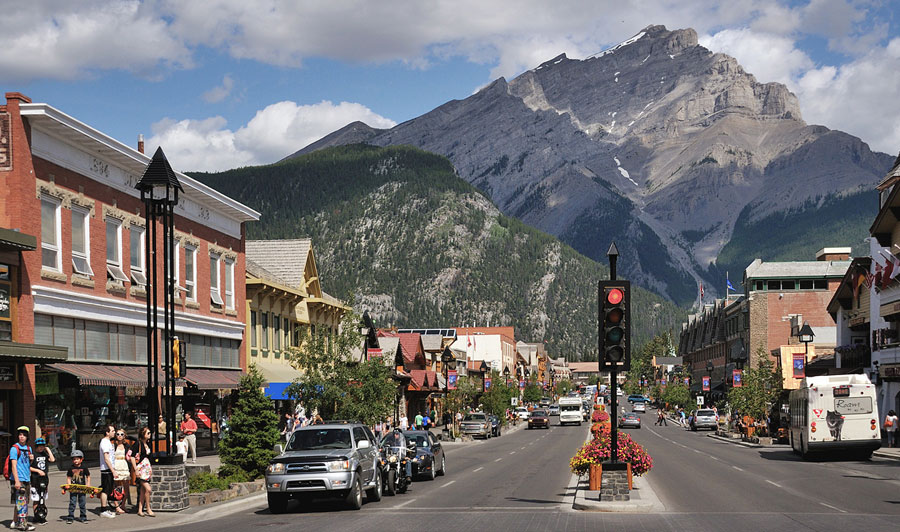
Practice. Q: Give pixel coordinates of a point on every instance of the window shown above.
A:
(253, 332)
(50, 230)
(265, 330)
(287, 333)
(806, 285)
(81, 248)
(788, 285)
(276, 334)
(138, 274)
(92, 340)
(773, 285)
(229, 284)
(190, 272)
(114, 250)
(820, 284)
(214, 294)
(760, 285)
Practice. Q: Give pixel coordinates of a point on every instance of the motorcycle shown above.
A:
(393, 462)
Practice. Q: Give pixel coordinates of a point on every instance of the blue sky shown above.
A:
(225, 83)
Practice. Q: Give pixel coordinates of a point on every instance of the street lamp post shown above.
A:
(446, 358)
(506, 375)
(484, 368)
(159, 189)
(709, 372)
(806, 336)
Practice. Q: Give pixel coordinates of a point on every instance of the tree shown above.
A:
(677, 394)
(532, 393)
(463, 396)
(335, 382)
(761, 387)
(642, 361)
(254, 429)
(563, 387)
(497, 398)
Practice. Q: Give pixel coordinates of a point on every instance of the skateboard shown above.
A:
(81, 488)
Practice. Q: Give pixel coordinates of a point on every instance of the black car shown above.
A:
(495, 425)
(430, 459)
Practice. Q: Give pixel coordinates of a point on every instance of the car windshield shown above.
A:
(570, 408)
(308, 440)
(474, 417)
(705, 413)
(538, 413)
(421, 440)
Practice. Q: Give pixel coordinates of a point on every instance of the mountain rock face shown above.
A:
(656, 143)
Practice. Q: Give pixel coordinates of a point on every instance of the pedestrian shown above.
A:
(121, 471)
(107, 466)
(161, 426)
(433, 416)
(682, 415)
(426, 421)
(181, 447)
(377, 430)
(288, 427)
(418, 421)
(317, 419)
(20, 456)
(890, 427)
(189, 428)
(139, 456)
(404, 421)
(78, 474)
(40, 467)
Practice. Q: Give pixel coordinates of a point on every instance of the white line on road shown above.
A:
(477, 470)
(697, 451)
(512, 452)
(773, 483)
(447, 484)
(833, 507)
(522, 449)
(404, 504)
(736, 467)
(497, 460)
(714, 458)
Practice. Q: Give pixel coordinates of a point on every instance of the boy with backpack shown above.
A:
(40, 467)
(18, 471)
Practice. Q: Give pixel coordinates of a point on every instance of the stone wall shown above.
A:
(614, 486)
(238, 489)
(170, 488)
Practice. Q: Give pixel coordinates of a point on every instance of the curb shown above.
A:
(735, 441)
(886, 455)
(215, 511)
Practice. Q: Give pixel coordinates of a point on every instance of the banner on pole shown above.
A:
(521, 385)
(687, 381)
(799, 366)
(737, 378)
(487, 383)
(706, 383)
(451, 379)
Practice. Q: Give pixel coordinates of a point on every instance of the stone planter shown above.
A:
(238, 489)
(615, 481)
(170, 488)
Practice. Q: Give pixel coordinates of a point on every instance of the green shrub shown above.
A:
(209, 481)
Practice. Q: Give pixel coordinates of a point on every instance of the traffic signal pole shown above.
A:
(613, 255)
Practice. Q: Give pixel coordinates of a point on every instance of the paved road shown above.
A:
(518, 482)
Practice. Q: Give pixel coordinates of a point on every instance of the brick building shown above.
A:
(83, 289)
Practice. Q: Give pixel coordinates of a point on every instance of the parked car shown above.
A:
(704, 419)
(636, 398)
(539, 418)
(339, 460)
(553, 410)
(630, 420)
(639, 407)
(522, 412)
(476, 424)
(429, 460)
(544, 402)
(495, 425)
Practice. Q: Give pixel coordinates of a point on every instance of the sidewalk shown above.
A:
(58, 507)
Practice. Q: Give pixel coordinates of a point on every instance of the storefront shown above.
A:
(208, 397)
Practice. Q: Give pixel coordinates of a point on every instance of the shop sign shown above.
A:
(46, 383)
(7, 373)
(888, 309)
(374, 352)
(179, 390)
(135, 391)
(890, 372)
(5, 142)
(859, 320)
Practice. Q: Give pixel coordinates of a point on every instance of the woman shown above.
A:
(139, 456)
(890, 427)
(121, 472)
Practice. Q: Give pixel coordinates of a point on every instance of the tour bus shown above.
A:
(570, 410)
(835, 413)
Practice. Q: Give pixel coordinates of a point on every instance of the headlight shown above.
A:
(392, 458)
(275, 469)
(339, 465)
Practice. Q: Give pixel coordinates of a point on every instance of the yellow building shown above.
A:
(284, 298)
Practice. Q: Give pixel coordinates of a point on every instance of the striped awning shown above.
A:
(104, 374)
(214, 379)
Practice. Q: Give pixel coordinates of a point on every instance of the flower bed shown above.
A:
(597, 451)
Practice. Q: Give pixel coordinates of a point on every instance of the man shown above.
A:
(20, 456)
(398, 439)
(419, 420)
(107, 465)
(189, 429)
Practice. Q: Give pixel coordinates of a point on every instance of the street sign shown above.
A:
(699, 400)
(514, 401)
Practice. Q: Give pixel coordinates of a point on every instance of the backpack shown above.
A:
(6, 474)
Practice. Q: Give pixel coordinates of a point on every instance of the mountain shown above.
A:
(416, 246)
(672, 150)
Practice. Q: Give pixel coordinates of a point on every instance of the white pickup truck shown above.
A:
(570, 410)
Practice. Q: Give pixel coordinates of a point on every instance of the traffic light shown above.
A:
(614, 328)
(179, 360)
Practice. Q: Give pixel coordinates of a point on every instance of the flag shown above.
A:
(705, 383)
(877, 280)
(701, 292)
(736, 378)
(886, 274)
(730, 286)
(799, 366)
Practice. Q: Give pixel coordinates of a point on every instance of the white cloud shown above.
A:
(219, 93)
(275, 132)
(767, 56)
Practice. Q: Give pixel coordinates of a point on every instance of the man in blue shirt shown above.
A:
(20, 457)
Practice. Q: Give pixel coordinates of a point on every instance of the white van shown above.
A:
(570, 410)
(835, 413)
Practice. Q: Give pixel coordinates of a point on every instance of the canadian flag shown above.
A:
(891, 270)
(701, 291)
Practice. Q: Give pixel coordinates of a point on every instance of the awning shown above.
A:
(33, 353)
(15, 241)
(277, 391)
(278, 372)
(214, 379)
(105, 375)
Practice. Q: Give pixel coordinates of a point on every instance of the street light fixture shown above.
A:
(806, 335)
(506, 375)
(709, 371)
(484, 368)
(446, 358)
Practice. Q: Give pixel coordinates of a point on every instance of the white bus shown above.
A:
(570, 410)
(835, 413)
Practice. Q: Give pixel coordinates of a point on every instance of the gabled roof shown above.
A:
(432, 342)
(411, 344)
(808, 269)
(284, 258)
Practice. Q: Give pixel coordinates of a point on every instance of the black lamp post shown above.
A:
(446, 358)
(506, 375)
(806, 335)
(484, 368)
(643, 379)
(709, 371)
(159, 188)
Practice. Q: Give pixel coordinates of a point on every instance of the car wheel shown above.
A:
(430, 475)
(443, 466)
(392, 482)
(278, 502)
(353, 501)
(375, 492)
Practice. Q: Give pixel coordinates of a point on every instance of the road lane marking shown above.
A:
(697, 451)
(833, 507)
(714, 458)
(477, 470)
(512, 452)
(447, 484)
(774, 484)
(404, 504)
(497, 460)
(736, 467)
(522, 449)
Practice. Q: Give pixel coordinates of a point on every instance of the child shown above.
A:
(78, 474)
(20, 456)
(181, 446)
(40, 466)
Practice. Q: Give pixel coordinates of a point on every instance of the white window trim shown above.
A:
(138, 273)
(176, 262)
(86, 256)
(190, 286)
(215, 294)
(54, 246)
(229, 290)
(114, 268)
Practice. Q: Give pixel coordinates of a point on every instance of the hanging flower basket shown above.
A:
(597, 451)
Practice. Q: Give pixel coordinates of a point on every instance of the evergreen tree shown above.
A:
(254, 429)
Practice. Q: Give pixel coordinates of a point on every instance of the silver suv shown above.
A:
(476, 424)
(704, 419)
(334, 460)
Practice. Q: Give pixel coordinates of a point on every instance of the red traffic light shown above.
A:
(614, 296)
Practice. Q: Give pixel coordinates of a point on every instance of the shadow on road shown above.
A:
(536, 501)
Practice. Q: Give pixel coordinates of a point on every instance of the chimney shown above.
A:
(829, 254)
(141, 142)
